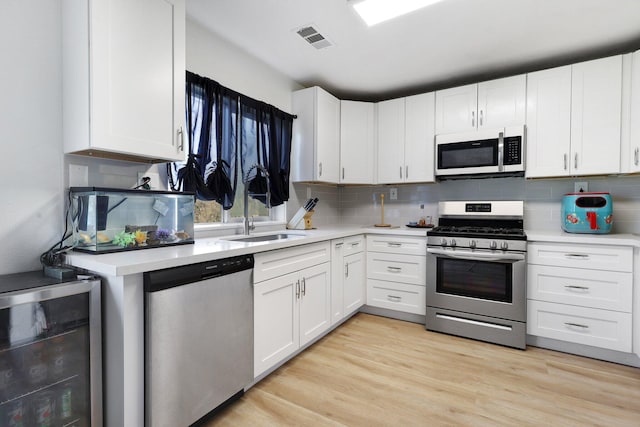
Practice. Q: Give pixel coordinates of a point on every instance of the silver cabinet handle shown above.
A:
(577, 256)
(394, 245)
(481, 114)
(473, 119)
(346, 269)
(565, 161)
(353, 245)
(394, 298)
(636, 155)
(575, 161)
(406, 172)
(576, 288)
(320, 169)
(576, 325)
(394, 269)
(298, 289)
(400, 172)
(181, 139)
(500, 151)
(304, 287)
(342, 173)
(339, 245)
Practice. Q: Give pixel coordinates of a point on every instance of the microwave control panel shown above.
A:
(512, 150)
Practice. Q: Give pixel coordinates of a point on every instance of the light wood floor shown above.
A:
(374, 371)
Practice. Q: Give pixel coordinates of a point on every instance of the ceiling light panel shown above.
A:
(376, 11)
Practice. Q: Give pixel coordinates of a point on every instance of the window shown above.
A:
(228, 135)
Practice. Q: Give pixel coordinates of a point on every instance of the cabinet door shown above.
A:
(548, 122)
(337, 280)
(137, 77)
(596, 111)
(632, 157)
(328, 137)
(391, 141)
(354, 282)
(501, 102)
(315, 302)
(419, 138)
(456, 109)
(356, 142)
(275, 320)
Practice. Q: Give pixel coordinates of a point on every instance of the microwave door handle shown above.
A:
(500, 151)
(477, 256)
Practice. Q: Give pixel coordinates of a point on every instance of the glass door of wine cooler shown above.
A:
(50, 356)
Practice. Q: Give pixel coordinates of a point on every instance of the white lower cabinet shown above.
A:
(291, 309)
(581, 294)
(396, 273)
(348, 287)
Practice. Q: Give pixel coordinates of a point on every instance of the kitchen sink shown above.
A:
(263, 237)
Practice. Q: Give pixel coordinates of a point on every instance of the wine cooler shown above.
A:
(50, 352)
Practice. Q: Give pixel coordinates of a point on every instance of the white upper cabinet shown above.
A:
(124, 79)
(357, 126)
(596, 111)
(574, 119)
(630, 157)
(491, 104)
(315, 148)
(548, 122)
(391, 141)
(406, 139)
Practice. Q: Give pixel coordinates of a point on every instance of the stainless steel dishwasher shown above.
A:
(198, 339)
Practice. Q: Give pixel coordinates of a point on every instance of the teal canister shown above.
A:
(587, 213)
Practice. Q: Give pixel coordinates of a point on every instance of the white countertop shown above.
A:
(207, 249)
(560, 236)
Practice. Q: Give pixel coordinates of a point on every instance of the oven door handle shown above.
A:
(477, 256)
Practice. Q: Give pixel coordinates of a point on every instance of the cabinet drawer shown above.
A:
(608, 290)
(595, 257)
(396, 296)
(398, 245)
(397, 268)
(589, 326)
(283, 261)
(353, 245)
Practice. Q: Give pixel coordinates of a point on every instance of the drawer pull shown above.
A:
(394, 244)
(394, 298)
(577, 288)
(353, 245)
(577, 256)
(576, 325)
(394, 269)
(298, 289)
(338, 245)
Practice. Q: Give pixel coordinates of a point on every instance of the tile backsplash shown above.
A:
(360, 205)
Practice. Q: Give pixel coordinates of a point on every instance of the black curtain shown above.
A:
(227, 131)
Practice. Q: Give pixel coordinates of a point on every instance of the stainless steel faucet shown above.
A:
(248, 222)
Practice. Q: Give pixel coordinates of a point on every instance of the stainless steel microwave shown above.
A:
(483, 153)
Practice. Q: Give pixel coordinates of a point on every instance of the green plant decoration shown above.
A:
(124, 239)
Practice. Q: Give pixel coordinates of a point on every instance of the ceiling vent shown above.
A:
(314, 38)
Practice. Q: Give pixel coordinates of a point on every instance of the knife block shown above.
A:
(305, 223)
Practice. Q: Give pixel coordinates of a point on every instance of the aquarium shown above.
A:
(113, 220)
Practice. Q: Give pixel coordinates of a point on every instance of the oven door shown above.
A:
(488, 283)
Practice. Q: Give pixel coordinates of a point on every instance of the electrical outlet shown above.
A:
(421, 206)
(393, 194)
(580, 187)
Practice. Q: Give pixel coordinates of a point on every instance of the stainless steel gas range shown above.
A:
(476, 272)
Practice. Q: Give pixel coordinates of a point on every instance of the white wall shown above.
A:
(31, 178)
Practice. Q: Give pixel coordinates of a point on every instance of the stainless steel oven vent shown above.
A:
(313, 37)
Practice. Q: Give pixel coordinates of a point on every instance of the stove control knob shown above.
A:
(493, 245)
(504, 246)
(472, 244)
(453, 243)
(443, 242)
